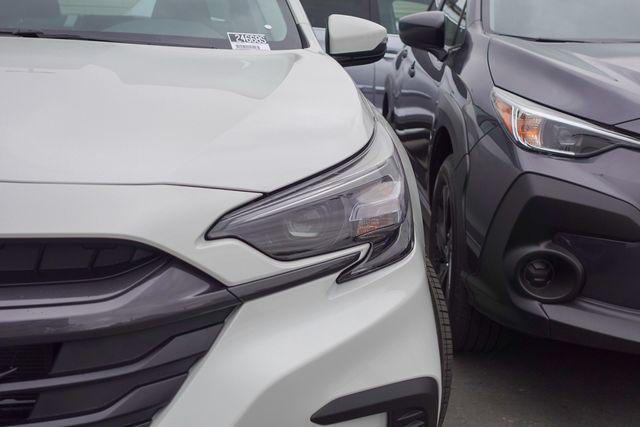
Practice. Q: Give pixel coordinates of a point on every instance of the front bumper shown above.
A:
(585, 212)
(276, 358)
(283, 357)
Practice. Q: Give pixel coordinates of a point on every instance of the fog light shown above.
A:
(538, 273)
(546, 273)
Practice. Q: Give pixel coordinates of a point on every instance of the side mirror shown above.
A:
(355, 41)
(425, 31)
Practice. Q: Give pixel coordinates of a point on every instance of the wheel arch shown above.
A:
(448, 138)
(442, 147)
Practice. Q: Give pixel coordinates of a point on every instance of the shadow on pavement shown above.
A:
(535, 382)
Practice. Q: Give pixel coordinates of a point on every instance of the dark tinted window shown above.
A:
(318, 11)
(392, 10)
(455, 25)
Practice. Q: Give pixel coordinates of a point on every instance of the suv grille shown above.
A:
(99, 332)
(50, 261)
(16, 409)
(26, 362)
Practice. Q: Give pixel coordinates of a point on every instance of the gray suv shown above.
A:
(529, 172)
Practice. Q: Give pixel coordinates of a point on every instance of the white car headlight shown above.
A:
(542, 129)
(364, 200)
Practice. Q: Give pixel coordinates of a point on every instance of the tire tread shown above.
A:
(444, 335)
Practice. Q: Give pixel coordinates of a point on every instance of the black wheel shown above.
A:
(444, 336)
(472, 331)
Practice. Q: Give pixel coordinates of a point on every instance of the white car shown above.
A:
(205, 224)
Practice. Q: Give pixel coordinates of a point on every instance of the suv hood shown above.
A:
(105, 113)
(595, 81)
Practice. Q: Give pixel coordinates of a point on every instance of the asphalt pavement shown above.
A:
(535, 382)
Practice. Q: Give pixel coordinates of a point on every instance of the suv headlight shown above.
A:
(542, 129)
(364, 200)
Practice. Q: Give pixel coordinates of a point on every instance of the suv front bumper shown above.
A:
(275, 360)
(283, 357)
(585, 211)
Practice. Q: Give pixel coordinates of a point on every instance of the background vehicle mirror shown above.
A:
(355, 41)
(425, 31)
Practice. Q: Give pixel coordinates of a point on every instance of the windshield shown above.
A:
(567, 20)
(223, 24)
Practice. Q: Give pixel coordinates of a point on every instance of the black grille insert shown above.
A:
(99, 333)
(51, 261)
(16, 409)
(26, 362)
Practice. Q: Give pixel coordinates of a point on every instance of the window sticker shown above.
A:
(248, 41)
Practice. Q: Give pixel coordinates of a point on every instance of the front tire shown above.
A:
(444, 336)
(472, 331)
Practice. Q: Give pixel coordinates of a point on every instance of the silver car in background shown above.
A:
(369, 78)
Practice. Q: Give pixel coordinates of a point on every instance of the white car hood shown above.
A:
(106, 113)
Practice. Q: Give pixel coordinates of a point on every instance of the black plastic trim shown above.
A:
(425, 31)
(535, 209)
(29, 262)
(281, 282)
(359, 58)
(419, 394)
(141, 403)
(153, 301)
(303, 37)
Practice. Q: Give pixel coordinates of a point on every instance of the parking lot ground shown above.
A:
(535, 382)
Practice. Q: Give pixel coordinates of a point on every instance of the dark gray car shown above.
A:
(530, 167)
(369, 78)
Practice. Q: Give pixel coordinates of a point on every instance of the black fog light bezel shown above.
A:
(567, 277)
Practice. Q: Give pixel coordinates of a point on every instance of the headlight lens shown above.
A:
(362, 201)
(539, 128)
